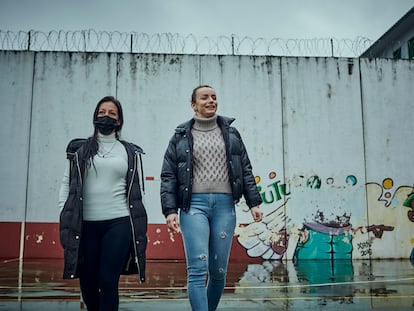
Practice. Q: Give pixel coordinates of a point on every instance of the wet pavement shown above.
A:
(268, 285)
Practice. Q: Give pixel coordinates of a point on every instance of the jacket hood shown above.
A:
(134, 147)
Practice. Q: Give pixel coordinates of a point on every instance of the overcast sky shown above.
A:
(289, 19)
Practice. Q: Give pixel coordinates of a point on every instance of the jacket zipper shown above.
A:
(81, 195)
(130, 216)
(190, 181)
(78, 167)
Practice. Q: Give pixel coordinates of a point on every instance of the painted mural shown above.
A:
(351, 114)
(316, 218)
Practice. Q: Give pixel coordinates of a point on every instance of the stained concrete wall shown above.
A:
(329, 140)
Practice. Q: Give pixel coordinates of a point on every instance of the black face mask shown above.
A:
(106, 125)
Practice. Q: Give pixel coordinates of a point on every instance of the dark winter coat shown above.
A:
(177, 169)
(71, 217)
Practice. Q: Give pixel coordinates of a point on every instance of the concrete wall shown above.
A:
(329, 140)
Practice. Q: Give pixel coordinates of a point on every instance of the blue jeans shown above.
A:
(207, 230)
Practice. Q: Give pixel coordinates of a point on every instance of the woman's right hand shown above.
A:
(172, 222)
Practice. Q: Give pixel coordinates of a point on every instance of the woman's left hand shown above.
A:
(256, 213)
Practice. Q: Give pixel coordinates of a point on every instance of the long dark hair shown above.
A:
(91, 145)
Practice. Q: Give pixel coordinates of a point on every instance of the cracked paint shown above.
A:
(39, 238)
(172, 239)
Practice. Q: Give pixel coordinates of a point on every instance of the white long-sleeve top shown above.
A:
(104, 193)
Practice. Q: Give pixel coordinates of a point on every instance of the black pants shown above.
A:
(105, 245)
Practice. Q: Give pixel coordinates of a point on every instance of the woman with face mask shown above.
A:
(103, 222)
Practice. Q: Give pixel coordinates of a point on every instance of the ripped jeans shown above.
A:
(207, 230)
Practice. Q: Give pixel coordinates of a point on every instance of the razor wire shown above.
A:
(174, 43)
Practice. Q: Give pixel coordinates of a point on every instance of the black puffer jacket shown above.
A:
(177, 169)
(71, 217)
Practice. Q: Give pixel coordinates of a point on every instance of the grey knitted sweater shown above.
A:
(210, 166)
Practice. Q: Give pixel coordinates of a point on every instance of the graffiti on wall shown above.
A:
(332, 218)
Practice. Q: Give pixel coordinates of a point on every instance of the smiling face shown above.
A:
(205, 104)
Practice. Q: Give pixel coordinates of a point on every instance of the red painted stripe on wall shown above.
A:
(42, 241)
(10, 243)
